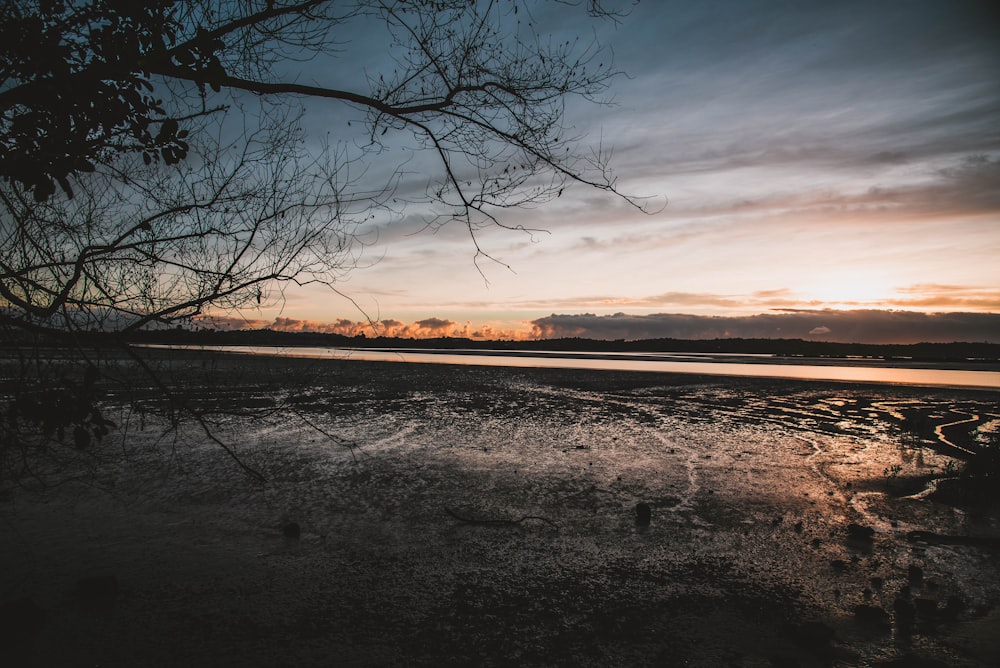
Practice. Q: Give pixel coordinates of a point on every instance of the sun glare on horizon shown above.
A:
(851, 288)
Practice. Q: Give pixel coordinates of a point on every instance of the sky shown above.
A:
(814, 170)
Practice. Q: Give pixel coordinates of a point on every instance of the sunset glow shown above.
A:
(810, 158)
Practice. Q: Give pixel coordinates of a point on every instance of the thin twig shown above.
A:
(177, 400)
(351, 446)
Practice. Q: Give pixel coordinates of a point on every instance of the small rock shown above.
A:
(914, 574)
(953, 607)
(643, 514)
(292, 530)
(798, 527)
(906, 614)
(859, 532)
(872, 618)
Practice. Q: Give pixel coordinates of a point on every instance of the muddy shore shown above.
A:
(486, 516)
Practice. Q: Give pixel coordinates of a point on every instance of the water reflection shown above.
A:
(763, 366)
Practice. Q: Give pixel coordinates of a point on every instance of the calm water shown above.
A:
(764, 366)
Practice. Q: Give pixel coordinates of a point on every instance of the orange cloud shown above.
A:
(226, 323)
(427, 328)
(942, 297)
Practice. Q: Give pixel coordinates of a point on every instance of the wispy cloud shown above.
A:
(928, 297)
(814, 155)
(949, 297)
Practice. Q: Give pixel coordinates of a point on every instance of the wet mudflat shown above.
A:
(487, 516)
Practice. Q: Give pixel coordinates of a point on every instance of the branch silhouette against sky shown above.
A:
(823, 156)
(155, 164)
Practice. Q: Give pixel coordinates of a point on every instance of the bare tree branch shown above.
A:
(153, 165)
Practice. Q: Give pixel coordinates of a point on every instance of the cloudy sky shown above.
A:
(820, 164)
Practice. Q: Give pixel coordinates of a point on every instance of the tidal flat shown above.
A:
(432, 515)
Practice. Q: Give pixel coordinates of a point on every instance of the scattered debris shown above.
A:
(643, 514)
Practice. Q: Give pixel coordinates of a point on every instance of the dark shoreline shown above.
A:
(960, 353)
(777, 537)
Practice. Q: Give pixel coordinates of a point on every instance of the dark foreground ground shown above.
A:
(484, 516)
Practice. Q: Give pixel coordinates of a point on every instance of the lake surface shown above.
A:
(763, 366)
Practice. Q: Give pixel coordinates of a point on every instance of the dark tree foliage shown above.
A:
(154, 166)
(82, 81)
(77, 87)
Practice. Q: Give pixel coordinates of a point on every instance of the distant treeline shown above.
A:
(957, 351)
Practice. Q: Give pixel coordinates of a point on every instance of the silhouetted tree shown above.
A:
(153, 166)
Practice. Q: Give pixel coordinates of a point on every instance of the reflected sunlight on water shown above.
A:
(706, 364)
